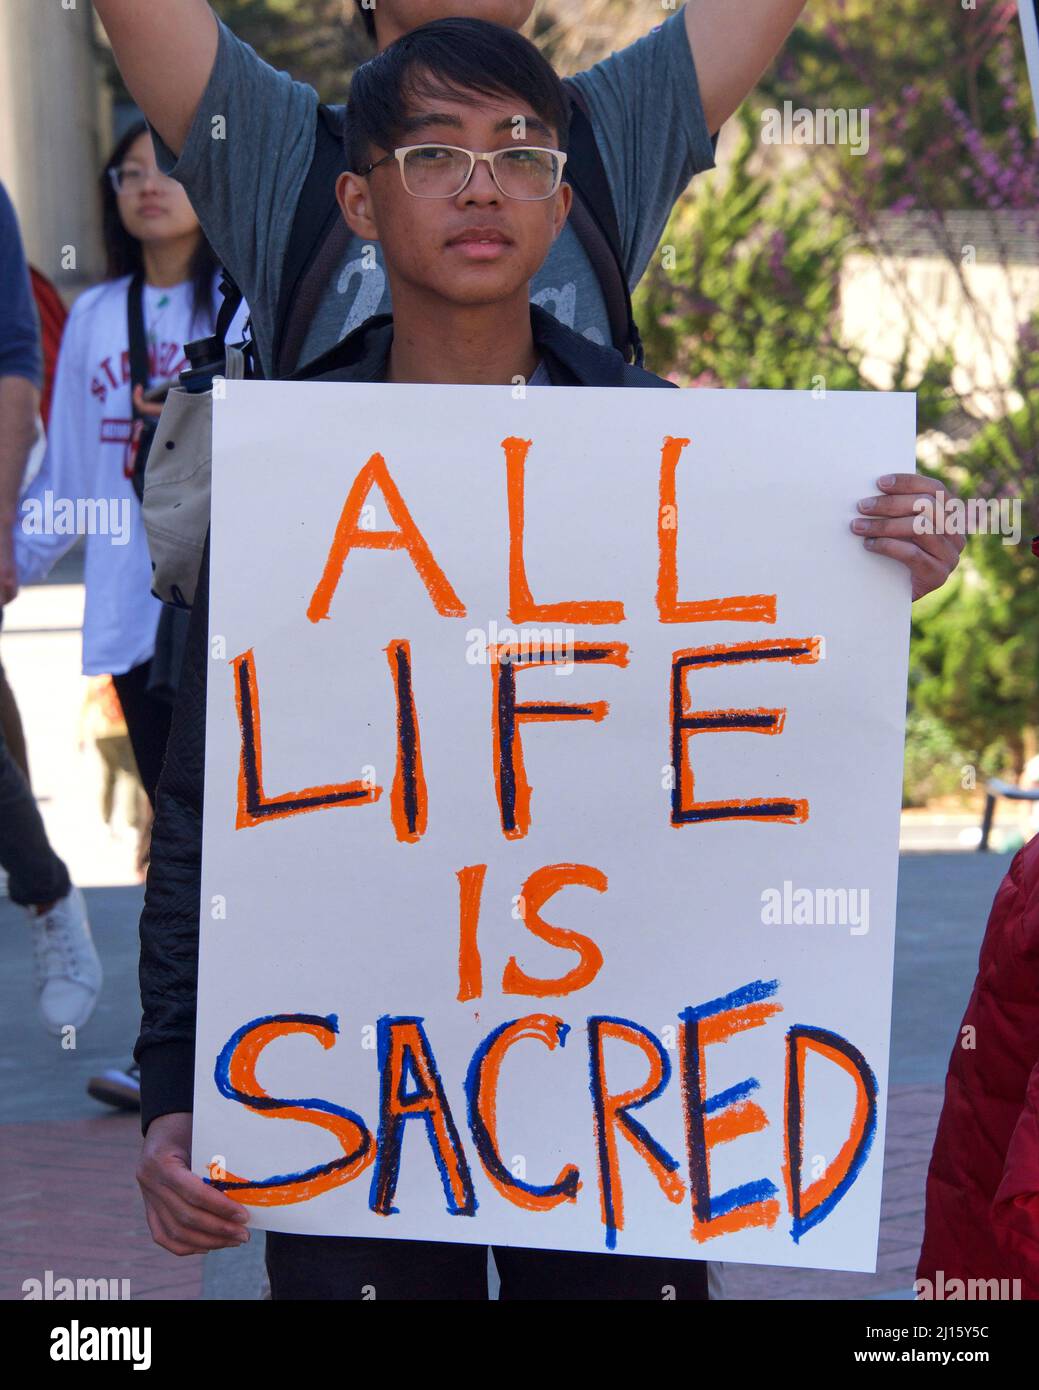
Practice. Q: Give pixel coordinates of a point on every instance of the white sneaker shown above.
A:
(68, 971)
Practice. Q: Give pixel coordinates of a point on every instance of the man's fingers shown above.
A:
(184, 1230)
(185, 1215)
(161, 1233)
(191, 1217)
(901, 495)
(180, 1182)
(945, 548)
(155, 1226)
(180, 1241)
(162, 1236)
(927, 571)
(907, 552)
(898, 483)
(899, 504)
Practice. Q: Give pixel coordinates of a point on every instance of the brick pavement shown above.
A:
(69, 1203)
(97, 1227)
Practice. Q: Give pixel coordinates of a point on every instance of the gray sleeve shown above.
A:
(652, 133)
(243, 166)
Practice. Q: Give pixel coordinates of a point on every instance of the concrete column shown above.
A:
(51, 113)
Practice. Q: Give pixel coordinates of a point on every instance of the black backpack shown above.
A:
(319, 237)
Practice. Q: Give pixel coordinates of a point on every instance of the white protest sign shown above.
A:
(553, 768)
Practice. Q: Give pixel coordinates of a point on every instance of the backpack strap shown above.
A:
(309, 293)
(232, 297)
(310, 259)
(136, 455)
(205, 353)
(140, 368)
(594, 219)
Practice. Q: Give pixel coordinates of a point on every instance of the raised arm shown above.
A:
(166, 53)
(734, 44)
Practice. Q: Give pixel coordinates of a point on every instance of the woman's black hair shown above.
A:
(123, 252)
(368, 16)
(459, 58)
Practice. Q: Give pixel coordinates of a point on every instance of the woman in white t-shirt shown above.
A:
(84, 485)
(150, 231)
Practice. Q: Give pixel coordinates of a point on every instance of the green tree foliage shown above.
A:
(745, 289)
(976, 654)
(976, 642)
(930, 72)
(934, 761)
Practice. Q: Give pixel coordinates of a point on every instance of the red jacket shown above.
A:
(982, 1219)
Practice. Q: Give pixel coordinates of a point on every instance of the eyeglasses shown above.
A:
(525, 172)
(128, 178)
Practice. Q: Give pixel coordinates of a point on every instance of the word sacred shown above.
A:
(411, 1088)
(408, 800)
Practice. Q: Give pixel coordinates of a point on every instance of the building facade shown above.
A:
(55, 121)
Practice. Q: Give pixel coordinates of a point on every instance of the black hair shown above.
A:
(123, 253)
(368, 16)
(449, 57)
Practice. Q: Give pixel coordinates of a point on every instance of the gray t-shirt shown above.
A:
(252, 140)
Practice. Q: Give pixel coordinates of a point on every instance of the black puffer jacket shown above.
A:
(170, 920)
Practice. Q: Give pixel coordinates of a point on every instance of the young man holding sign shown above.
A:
(465, 213)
